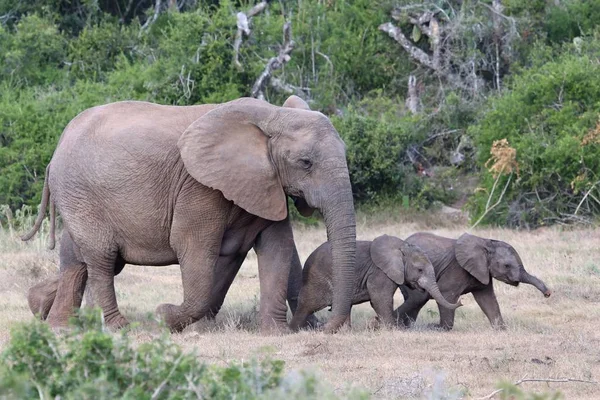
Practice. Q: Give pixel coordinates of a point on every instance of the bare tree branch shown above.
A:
(150, 21)
(416, 53)
(274, 63)
(243, 28)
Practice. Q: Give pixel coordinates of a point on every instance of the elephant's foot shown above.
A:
(439, 327)
(501, 327)
(374, 323)
(41, 297)
(174, 317)
(274, 328)
(116, 321)
(59, 320)
(336, 323)
(313, 322)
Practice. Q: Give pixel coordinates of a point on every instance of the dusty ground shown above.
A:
(557, 337)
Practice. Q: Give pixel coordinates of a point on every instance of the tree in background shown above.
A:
(419, 90)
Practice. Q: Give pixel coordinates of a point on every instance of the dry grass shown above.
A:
(547, 338)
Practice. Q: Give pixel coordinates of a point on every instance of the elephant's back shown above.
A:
(128, 123)
(128, 135)
(322, 259)
(432, 245)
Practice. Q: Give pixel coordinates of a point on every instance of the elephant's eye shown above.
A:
(305, 163)
(507, 266)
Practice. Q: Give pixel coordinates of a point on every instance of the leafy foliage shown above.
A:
(58, 58)
(87, 362)
(546, 116)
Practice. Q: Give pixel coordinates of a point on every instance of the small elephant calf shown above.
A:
(466, 265)
(381, 266)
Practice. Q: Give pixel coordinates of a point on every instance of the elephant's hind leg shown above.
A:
(101, 276)
(41, 297)
(70, 284)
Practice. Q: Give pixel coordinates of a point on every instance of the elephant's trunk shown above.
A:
(432, 288)
(525, 277)
(338, 213)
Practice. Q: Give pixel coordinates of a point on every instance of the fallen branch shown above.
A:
(243, 28)
(523, 380)
(274, 63)
(487, 205)
(585, 197)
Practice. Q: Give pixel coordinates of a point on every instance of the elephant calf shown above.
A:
(466, 265)
(381, 266)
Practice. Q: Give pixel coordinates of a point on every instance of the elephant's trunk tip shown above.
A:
(547, 293)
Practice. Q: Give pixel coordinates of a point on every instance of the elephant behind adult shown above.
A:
(141, 183)
(466, 265)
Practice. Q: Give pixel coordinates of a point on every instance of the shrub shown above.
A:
(87, 362)
(33, 54)
(573, 18)
(550, 116)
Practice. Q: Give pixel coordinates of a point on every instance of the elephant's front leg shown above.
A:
(196, 236)
(489, 305)
(381, 291)
(197, 273)
(407, 313)
(225, 271)
(275, 251)
(447, 315)
(294, 287)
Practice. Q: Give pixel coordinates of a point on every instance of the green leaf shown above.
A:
(416, 34)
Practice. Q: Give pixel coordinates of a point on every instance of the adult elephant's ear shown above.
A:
(472, 255)
(227, 149)
(301, 204)
(386, 253)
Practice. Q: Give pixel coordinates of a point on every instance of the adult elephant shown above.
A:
(147, 184)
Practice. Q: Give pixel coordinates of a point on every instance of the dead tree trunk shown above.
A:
(274, 63)
(498, 33)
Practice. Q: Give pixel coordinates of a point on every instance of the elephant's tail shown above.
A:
(42, 213)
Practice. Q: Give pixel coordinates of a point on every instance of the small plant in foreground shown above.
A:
(88, 362)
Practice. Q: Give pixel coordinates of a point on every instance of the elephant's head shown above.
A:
(484, 257)
(256, 154)
(406, 264)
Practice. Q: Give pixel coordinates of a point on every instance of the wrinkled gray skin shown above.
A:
(147, 184)
(381, 266)
(466, 265)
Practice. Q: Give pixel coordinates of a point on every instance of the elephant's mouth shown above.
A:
(415, 286)
(513, 283)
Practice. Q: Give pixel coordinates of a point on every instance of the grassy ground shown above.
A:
(557, 337)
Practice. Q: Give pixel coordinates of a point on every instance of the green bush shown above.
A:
(33, 54)
(545, 116)
(573, 18)
(87, 362)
